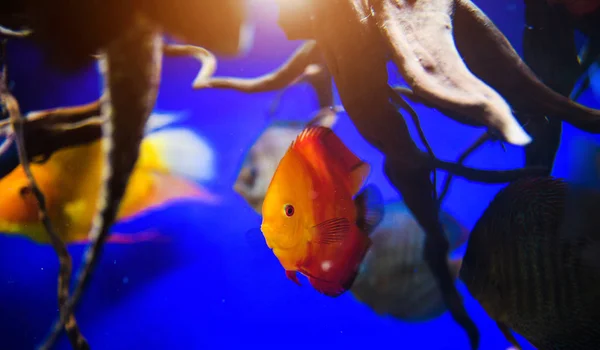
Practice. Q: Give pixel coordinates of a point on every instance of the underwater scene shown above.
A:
(300, 174)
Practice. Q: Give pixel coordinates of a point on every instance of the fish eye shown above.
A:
(288, 209)
(25, 190)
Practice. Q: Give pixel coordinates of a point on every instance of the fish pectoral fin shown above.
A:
(332, 231)
(292, 275)
(369, 209)
(358, 175)
(508, 335)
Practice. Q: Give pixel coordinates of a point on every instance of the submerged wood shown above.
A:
(11, 107)
(356, 37)
(131, 66)
(219, 26)
(48, 131)
(131, 43)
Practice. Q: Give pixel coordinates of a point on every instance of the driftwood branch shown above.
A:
(399, 101)
(282, 77)
(208, 60)
(306, 64)
(45, 132)
(48, 131)
(318, 76)
(457, 168)
(11, 107)
(219, 26)
(10, 33)
(131, 68)
(461, 159)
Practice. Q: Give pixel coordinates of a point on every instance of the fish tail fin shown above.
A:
(178, 151)
(158, 120)
(454, 265)
(176, 159)
(369, 208)
(171, 188)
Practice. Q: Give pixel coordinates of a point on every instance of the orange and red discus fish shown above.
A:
(311, 220)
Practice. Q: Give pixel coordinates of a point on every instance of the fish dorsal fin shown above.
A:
(332, 231)
(323, 142)
(359, 175)
(369, 209)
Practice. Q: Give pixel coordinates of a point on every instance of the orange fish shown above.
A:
(311, 220)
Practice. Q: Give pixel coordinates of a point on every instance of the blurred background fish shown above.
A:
(594, 77)
(311, 218)
(578, 7)
(239, 293)
(393, 278)
(263, 157)
(533, 263)
(171, 161)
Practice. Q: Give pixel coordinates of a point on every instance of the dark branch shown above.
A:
(461, 159)
(208, 60)
(46, 132)
(9, 33)
(283, 76)
(11, 107)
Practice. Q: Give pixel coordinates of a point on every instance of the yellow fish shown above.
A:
(171, 161)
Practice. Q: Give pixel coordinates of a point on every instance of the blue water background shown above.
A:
(209, 287)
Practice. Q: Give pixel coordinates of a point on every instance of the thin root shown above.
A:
(280, 78)
(461, 159)
(458, 169)
(9, 33)
(208, 60)
(65, 264)
(50, 130)
(397, 99)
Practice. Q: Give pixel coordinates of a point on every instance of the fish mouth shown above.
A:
(274, 239)
(266, 229)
